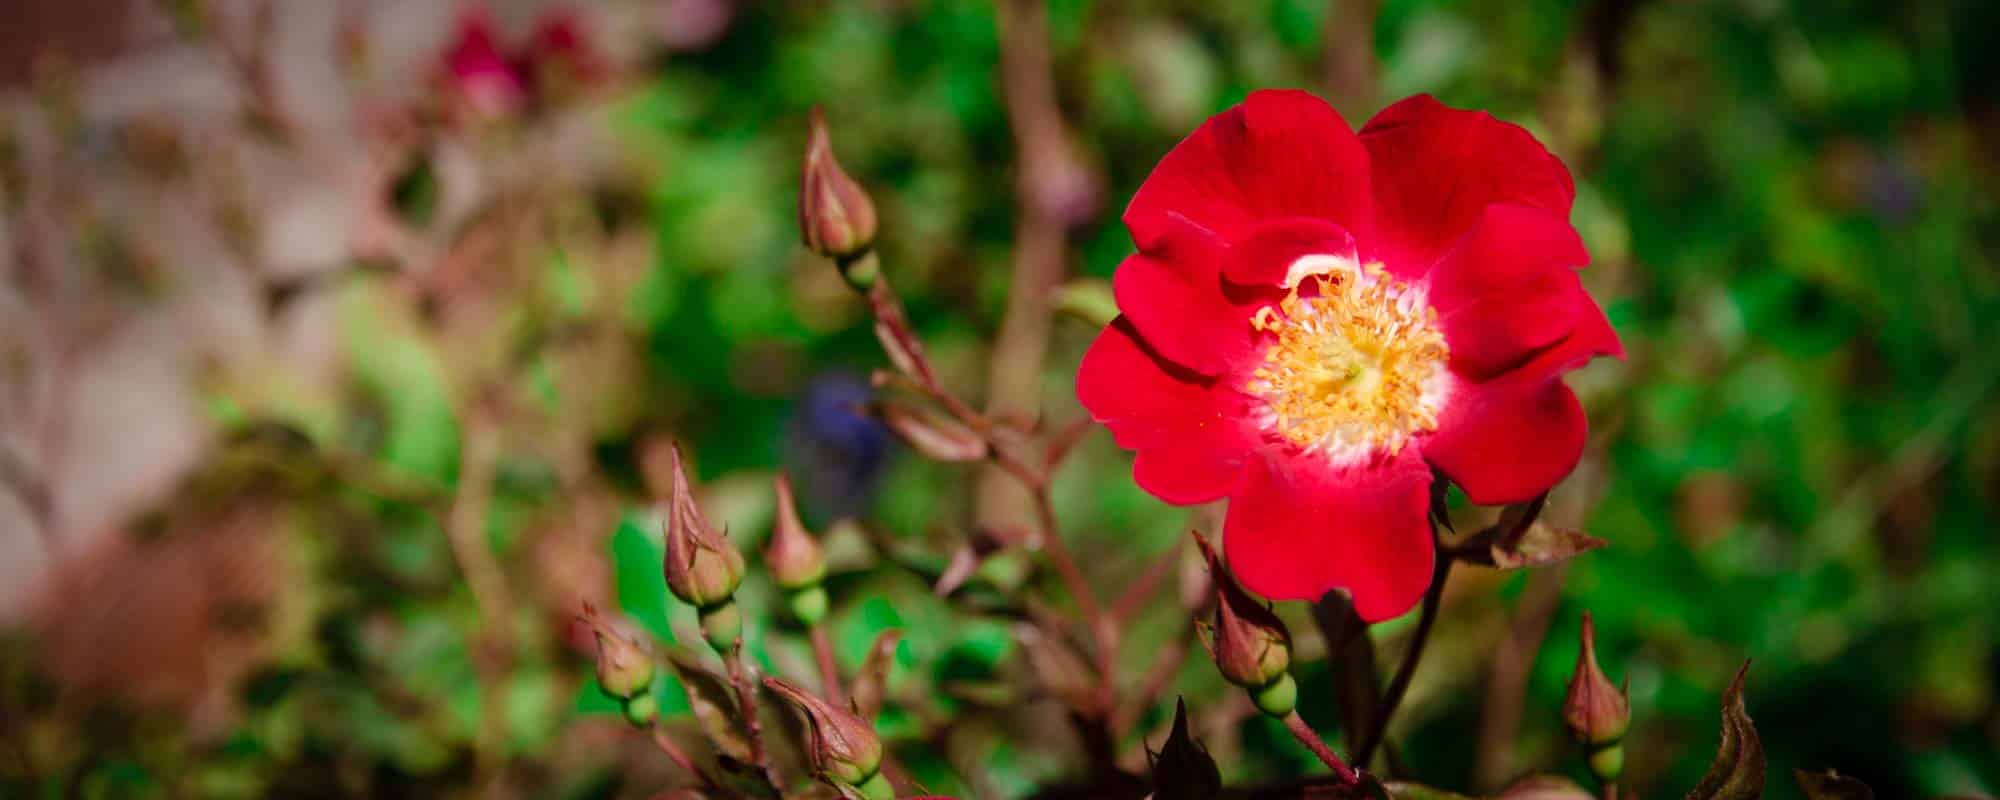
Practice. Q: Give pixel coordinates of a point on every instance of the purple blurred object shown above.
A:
(835, 450)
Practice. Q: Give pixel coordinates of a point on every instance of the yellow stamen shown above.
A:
(1354, 370)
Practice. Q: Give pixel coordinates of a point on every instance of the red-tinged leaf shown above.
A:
(931, 434)
(713, 702)
(1543, 544)
(1831, 785)
(1738, 770)
(871, 684)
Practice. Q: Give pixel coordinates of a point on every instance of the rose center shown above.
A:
(1355, 364)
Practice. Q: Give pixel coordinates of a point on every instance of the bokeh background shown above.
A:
(339, 348)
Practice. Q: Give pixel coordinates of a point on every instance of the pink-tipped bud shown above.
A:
(1596, 711)
(702, 567)
(624, 666)
(842, 746)
(793, 556)
(1250, 644)
(836, 218)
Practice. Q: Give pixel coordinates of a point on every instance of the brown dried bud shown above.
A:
(793, 556)
(836, 218)
(702, 567)
(842, 746)
(1596, 711)
(624, 666)
(1249, 643)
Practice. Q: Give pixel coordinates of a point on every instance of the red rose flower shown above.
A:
(1316, 320)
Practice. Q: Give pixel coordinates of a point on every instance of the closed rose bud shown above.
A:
(624, 667)
(793, 556)
(702, 567)
(1250, 644)
(1596, 712)
(836, 218)
(843, 748)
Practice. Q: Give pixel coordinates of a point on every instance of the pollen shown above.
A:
(1355, 364)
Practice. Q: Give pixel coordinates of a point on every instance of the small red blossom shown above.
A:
(493, 78)
(479, 73)
(1315, 320)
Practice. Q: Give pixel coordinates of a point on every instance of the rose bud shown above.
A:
(624, 667)
(1249, 643)
(836, 218)
(843, 747)
(795, 559)
(1596, 711)
(702, 567)
(793, 555)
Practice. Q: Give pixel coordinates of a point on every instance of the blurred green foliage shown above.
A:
(1793, 214)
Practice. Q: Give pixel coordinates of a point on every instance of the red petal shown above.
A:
(1189, 430)
(1299, 528)
(1592, 337)
(1509, 289)
(1173, 295)
(1508, 441)
(1437, 168)
(1265, 256)
(1277, 154)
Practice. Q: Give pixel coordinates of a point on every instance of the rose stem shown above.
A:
(829, 671)
(1401, 682)
(1306, 736)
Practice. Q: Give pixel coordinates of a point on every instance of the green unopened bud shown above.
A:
(842, 747)
(624, 666)
(1596, 711)
(702, 567)
(1277, 698)
(808, 605)
(793, 556)
(1608, 763)
(1249, 643)
(836, 218)
(641, 709)
(721, 625)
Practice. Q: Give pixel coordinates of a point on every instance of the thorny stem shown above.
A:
(1306, 736)
(753, 727)
(1400, 684)
(829, 670)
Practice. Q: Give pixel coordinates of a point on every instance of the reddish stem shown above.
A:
(1306, 736)
(829, 670)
